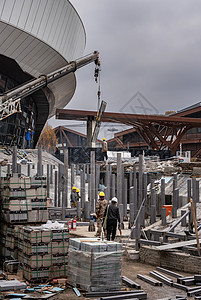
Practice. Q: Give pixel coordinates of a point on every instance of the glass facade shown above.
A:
(14, 128)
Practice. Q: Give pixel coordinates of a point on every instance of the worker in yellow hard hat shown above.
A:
(73, 197)
(100, 209)
(78, 196)
(104, 149)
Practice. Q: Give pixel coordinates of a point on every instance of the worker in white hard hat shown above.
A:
(104, 149)
(100, 209)
(110, 218)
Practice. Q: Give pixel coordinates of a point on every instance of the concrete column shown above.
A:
(14, 160)
(72, 175)
(63, 206)
(86, 211)
(88, 171)
(140, 179)
(8, 168)
(119, 179)
(175, 202)
(194, 192)
(163, 216)
(153, 196)
(153, 214)
(142, 216)
(55, 188)
(82, 188)
(130, 179)
(174, 181)
(66, 165)
(145, 187)
(125, 200)
(135, 197)
(97, 181)
(79, 210)
(189, 184)
(162, 191)
(77, 169)
(51, 174)
(59, 185)
(131, 221)
(90, 129)
(113, 186)
(137, 236)
(121, 209)
(107, 181)
(183, 221)
(48, 180)
(197, 191)
(19, 169)
(93, 178)
(39, 164)
(89, 188)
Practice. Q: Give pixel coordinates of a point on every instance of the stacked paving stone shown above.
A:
(23, 199)
(43, 252)
(23, 208)
(94, 265)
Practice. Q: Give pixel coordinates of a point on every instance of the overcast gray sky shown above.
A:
(147, 46)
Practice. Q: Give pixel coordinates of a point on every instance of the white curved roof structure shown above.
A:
(42, 36)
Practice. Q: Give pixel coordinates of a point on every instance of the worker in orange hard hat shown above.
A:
(104, 149)
(73, 197)
(100, 209)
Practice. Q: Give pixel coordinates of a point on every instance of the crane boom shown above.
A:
(10, 101)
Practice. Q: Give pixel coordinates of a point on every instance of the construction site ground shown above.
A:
(130, 269)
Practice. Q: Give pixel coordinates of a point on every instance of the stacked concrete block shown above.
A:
(94, 265)
(23, 199)
(8, 241)
(43, 252)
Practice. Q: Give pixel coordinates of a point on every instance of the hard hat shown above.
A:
(74, 188)
(103, 139)
(77, 190)
(101, 194)
(114, 199)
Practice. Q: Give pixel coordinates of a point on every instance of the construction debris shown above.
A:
(12, 285)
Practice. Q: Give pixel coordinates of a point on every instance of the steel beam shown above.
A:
(149, 280)
(130, 283)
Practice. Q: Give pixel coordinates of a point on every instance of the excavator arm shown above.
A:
(10, 101)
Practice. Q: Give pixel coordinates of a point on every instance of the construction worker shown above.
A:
(100, 209)
(73, 197)
(78, 196)
(28, 137)
(111, 216)
(104, 149)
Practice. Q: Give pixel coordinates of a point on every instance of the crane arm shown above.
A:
(8, 99)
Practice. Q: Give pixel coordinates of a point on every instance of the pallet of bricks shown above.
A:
(94, 265)
(43, 251)
(23, 201)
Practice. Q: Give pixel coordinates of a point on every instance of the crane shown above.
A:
(10, 101)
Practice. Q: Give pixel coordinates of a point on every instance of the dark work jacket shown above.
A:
(113, 213)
